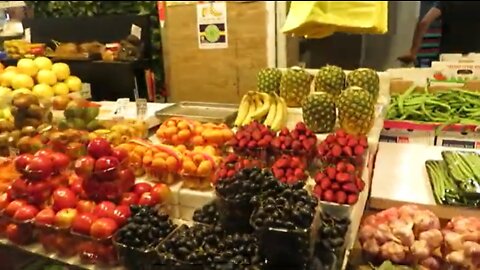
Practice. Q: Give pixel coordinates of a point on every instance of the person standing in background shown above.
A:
(459, 25)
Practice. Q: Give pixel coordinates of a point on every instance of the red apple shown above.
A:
(25, 212)
(65, 217)
(19, 188)
(19, 234)
(40, 167)
(147, 199)
(45, 217)
(13, 206)
(64, 198)
(83, 222)
(85, 206)
(120, 153)
(39, 191)
(106, 168)
(126, 177)
(103, 228)
(84, 166)
(60, 161)
(4, 201)
(161, 192)
(99, 147)
(129, 198)
(104, 209)
(44, 153)
(141, 188)
(121, 214)
(76, 184)
(22, 161)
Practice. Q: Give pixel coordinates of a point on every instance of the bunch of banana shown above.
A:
(262, 107)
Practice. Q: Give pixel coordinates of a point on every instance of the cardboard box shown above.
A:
(407, 132)
(214, 75)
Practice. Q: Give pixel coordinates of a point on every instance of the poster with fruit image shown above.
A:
(212, 25)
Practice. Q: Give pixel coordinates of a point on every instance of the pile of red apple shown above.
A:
(104, 171)
(252, 139)
(41, 173)
(299, 141)
(233, 163)
(340, 146)
(290, 169)
(343, 157)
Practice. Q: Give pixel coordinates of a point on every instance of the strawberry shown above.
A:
(325, 183)
(231, 173)
(242, 143)
(328, 196)
(268, 138)
(352, 199)
(295, 135)
(343, 177)
(297, 145)
(231, 158)
(319, 177)
(263, 143)
(292, 180)
(252, 144)
(342, 141)
(299, 174)
(350, 188)
(276, 143)
(331, 172)
(301, 126)
(341, 167)
(288, 142)
(336, 150)
(331, 138)
(257, 135)
(363, 141)
(302, 137)
(317, 191)
(352, 142)
(350, 168)
(284, 131)
(360, 184)
(281, 163)
(359, 150)
(341, 197)
(238, 166)
(335, 187)
(340, 133)
(278, 172)
(347, 150)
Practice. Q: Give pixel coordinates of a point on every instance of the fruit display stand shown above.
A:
(401, 178)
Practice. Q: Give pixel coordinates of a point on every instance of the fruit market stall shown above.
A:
(286, 182)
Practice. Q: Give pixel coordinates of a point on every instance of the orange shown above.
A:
(197, 158)
(181, 148)
(161, 154)
(198, 140)
(170, 131)
(198, 130)
(184, 134)
(189, 167)
(171, 164)
(147, 160)
(160, 132)
(170, 123)
(183, 125)
(227, 134)
(175, 140)
(205, 168)
(159, 164)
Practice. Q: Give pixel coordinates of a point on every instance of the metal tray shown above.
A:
(200, 111)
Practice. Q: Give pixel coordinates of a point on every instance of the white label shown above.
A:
(136, 31)
(212, 25)
(86, 91)
(28, 35)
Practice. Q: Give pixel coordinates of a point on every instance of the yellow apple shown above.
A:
(61, 89)
(62, 71)
(21, 91)
(47, 77)
(27, 66)
(12, 68)
(42, 90)
(5, 96)
(6, 77)
(22, 81)
(43, 62)
(74, 83)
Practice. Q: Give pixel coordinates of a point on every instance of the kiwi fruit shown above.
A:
(32, 122)
(28, 131)
(4, 139)
(35, 111)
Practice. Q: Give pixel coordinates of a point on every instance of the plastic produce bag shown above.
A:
(318, 19)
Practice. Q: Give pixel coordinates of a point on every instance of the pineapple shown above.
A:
(365, 78)
(319, 112)
(295, 86)
(356, 110)
(268, 80)
(330, 79)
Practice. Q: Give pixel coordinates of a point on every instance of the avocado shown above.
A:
(93, 125)
(91, 113)
(78, 123)
(63, 124)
